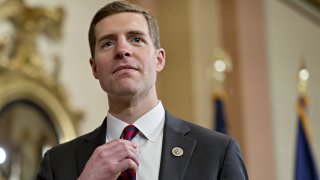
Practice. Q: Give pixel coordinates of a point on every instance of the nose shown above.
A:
(123, 50)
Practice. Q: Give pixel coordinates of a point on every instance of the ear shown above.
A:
(161, 59)
(94, 68)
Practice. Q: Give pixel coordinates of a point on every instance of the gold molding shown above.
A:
(17, 86)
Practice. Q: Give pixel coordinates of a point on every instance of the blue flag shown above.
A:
(219, 116)
(305, 168)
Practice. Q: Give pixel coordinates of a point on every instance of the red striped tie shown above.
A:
(128, 133)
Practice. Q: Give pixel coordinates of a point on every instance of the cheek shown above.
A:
(102, 63)
(152, 70)
(101, 70)
(150, 66)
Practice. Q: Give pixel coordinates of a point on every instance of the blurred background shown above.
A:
(260, 44)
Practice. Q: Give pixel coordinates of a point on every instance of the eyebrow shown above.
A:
(106, 36)
(140, 33)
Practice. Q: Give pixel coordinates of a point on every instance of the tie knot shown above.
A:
(129, 132)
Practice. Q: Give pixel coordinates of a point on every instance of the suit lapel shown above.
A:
(85, 150)
(174, 135)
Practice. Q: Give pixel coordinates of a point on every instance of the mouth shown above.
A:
(125, 67)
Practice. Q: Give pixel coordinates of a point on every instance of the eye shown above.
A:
(137, 41)
(106, 44)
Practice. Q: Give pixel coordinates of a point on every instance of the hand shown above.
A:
(110, 159)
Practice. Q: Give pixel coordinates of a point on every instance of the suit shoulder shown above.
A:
(196, 132)
(70, 146)
(199, 131)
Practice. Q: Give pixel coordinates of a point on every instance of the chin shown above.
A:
(122, 91)
(127, 92)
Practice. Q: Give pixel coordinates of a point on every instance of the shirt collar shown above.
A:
(149, 124)
(114, 127)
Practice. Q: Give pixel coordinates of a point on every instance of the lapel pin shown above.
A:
(177, 151)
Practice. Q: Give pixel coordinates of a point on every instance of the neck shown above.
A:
(131, 108)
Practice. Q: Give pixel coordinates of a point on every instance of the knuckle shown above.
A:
(100, 153)
(97, 152)
(98, 149)
(127, 150)
(112, 169)
(123, 145)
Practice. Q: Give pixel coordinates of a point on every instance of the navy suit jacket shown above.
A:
(207, 155)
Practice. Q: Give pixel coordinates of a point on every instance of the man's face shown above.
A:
(126, 62)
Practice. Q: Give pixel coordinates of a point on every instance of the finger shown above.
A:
(127, 164)
(116, 152)
(124, 152)
(111, 146)
(118, 141)
(112, 159)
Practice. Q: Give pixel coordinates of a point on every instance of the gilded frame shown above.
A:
(15, 87)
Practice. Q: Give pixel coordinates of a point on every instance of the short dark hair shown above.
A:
(120, 7)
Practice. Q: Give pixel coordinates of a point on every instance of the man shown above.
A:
(126, 57)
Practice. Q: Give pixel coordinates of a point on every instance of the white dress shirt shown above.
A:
(148, 140)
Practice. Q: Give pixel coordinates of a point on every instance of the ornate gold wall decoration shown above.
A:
(34, 111)
(29, 22)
